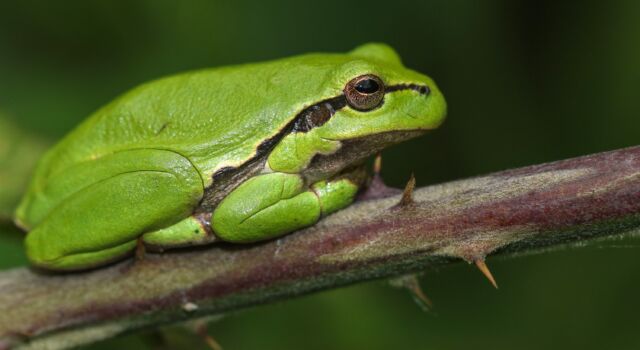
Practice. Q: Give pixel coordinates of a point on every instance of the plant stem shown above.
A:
(508, 212)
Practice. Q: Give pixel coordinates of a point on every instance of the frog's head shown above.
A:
(381, 95)
(372, 102)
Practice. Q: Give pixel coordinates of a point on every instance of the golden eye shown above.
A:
(364, 92)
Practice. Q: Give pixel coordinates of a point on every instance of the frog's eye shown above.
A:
(364, 92)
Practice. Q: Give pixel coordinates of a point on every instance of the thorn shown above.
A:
(485, 270)
(414, 287)
(407, 194)
(211, 343)
(412, 284)
(140, 250)
(201, 330)
(377, 164)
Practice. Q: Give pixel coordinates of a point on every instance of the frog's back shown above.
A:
(215, 117)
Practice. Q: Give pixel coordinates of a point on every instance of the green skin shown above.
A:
(211, 155)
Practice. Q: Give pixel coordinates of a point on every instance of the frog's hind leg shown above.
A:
(149, 190)
(192, 231)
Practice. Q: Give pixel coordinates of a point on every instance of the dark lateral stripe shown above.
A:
(422, 89)
(301, 123)
(318, 114)
(311, 117)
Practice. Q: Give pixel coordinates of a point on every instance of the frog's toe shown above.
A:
(52, 260)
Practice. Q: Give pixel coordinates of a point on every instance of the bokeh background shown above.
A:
(526, 82)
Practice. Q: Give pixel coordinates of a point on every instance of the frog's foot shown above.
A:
(192, 231)
(274, 204)
(90, 259)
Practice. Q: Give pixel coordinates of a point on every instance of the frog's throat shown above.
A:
(311, 117)
(355, 151)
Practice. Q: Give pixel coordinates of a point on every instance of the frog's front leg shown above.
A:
(274, 204)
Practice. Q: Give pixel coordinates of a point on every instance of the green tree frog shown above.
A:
(238, 154)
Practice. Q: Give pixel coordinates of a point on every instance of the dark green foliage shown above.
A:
(526, 82)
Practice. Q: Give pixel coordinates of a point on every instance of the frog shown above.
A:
(238, 154)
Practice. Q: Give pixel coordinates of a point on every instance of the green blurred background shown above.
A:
(526, 82)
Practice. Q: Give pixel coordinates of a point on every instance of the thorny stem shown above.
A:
(513, 211)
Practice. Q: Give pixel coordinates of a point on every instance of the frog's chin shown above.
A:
(355, 151)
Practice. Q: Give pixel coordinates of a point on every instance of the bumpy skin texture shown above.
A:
(138, 167)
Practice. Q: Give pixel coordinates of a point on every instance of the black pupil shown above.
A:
(367, 86)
